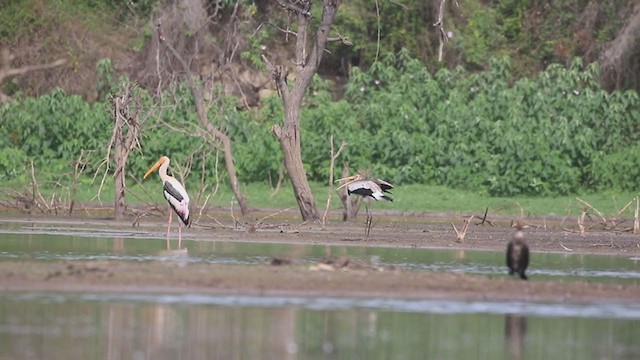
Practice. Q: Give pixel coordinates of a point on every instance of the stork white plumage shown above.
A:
(376, 189)
(359, 184)
(175, 194)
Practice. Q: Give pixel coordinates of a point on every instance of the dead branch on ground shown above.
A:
(612, 223)
(483, 219)
(463, 232)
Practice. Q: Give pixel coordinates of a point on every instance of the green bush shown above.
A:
(553, 134)
(54, 127)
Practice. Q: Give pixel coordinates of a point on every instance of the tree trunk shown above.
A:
(306, 65)
(120, 206)
(619, 59)
(350, 204)
(124, 139)
(289, 138)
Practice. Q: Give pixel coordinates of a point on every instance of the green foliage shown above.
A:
(538, 136)
(16, 17)
(53, 127)
(482, 35)
(105, 84)
(617, 171)
(554, 134)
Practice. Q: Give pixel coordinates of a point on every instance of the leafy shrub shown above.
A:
(55, 127)
(556, 133)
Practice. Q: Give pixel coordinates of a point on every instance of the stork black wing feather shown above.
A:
(172, 191)
(384, 186)
(361, 191)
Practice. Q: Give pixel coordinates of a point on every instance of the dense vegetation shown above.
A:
(555, 133)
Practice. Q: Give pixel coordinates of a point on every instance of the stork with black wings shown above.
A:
(175, 194)
(368, 188)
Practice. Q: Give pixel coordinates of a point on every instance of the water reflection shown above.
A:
(121, 326)
(515, 330)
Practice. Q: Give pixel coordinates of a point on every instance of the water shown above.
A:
(191, 326)
(196, 326)
(69, 244)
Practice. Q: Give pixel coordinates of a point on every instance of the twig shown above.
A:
(566, 248)
(280, 180)
(484, 218)
(581, 222)
(36, 195)
(636, 222)
(462, 233)
(625, 207)
(206, 200)
(604, 220)
(272, 215)
(331, 166)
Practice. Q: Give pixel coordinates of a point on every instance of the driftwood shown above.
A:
(611, 223)
(460, 234)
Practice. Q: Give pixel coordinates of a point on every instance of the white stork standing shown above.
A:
(376, 189)
(175, 194)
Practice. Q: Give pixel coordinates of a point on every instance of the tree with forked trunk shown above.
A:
(308, 54)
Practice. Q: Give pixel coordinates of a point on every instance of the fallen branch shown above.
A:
(483, 219)
(462, 233)
(600, 214)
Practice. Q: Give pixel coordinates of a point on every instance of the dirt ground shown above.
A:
(340, 277)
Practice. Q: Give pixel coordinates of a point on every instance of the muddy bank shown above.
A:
(342, 277)
(350, 280)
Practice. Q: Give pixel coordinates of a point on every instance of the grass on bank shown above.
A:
(409, 198)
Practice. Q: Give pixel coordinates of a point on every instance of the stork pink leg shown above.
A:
(179, 236)
(169, 229)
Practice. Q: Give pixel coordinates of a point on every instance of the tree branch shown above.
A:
(440, 24)
(7, 71)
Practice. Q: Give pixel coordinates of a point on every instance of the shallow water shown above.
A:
(196, 326)
(191, 326)
(68, 244)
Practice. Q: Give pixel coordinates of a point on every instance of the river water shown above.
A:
(46, 325)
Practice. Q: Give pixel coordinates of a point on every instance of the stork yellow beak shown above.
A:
(346, 181)
(154, 167)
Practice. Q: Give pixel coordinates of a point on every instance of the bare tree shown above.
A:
(124, 139)
(308, 54)
(222, 140)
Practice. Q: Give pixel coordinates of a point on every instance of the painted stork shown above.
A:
(518, 253)
(360, 184)
(175, 194)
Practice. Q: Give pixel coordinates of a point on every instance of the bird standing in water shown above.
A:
(175, 194)
(518, 252)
